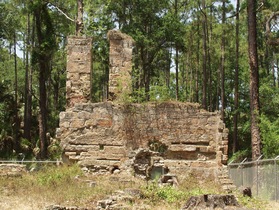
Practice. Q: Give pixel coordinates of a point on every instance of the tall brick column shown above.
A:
(79, 62)
(120, 64)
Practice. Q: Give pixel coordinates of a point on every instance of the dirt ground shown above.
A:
(12, 202)
(272, 205)
(16, 203)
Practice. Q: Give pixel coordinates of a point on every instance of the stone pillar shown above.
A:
(79, 62)
(120, 64)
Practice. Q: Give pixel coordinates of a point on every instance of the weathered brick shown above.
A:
(100, 135)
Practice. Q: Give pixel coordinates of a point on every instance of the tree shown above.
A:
(79, 21)
(99, 22)
(28, 80)
(144, 21)
(11, 26)
(236, 82)
(223, 61)
(204, 55)
(177, 56)
(175, 39)
(43, 55)
(270, 39)
(254, 79)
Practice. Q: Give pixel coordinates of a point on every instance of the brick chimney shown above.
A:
(79, 62)
(120, 64)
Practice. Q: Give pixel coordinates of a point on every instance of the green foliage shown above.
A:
(138, 95)
(97, 24)
(55, 176)
(159, 28)
(157, 146)
(54, 150)
(68, 186)
(168, 194)
(251, 203)
(270, 136)
(177, 195)
(160, 93)
(269, 99)
(240, 155)
(6, 120)
(25, 144)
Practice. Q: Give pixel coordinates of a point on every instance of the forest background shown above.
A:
(222, 54)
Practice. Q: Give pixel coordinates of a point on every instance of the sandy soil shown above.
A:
(16, 203)
(12, 202)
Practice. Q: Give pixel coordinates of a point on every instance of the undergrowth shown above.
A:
(251, 203)
(68, 186)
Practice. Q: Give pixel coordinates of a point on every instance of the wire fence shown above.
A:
(260, 175)
(33, 164)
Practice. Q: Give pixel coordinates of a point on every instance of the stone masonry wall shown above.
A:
(179, 137)
(79, 64)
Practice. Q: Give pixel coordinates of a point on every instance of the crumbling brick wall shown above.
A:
(177, 136)
(138, 138)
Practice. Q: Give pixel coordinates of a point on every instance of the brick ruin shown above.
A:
(140, 139)
(79, 62)
(120, 57)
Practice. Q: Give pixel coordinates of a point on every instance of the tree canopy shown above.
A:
(192, 51)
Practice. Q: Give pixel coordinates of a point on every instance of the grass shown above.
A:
(57, 185)
(68, 186)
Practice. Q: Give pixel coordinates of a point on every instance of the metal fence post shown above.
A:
(257, 171)
(276, 178)
(229, 168)
(242, 171)
(262, 173)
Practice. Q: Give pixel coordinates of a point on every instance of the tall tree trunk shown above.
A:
(168, 69)
(43, 61)
(147, 81)
(176, 57)
(16, 125)
(254, 79)
(28, 86)
(146, 67)
(223, 62)
(56, 87)
(79, 21)
(236, 93)
(204, 53)
(198, 65)
(176, 74)
(209, 37)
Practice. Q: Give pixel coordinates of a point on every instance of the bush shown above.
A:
(170, 194)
